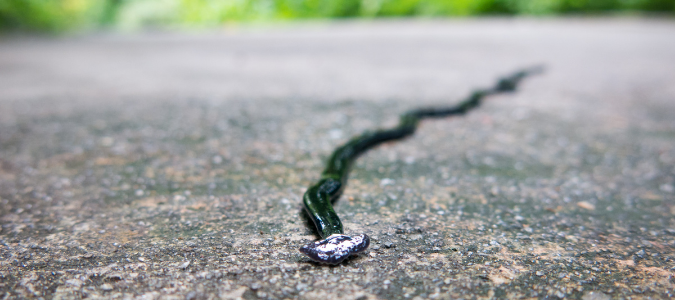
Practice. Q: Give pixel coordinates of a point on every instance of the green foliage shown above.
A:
(59, 15)
(50, 15)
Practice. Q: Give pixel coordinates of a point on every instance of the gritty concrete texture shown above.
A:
(171, 165)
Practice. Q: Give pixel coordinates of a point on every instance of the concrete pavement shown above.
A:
(171, 165)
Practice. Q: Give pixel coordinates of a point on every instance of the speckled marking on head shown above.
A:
(335, 248)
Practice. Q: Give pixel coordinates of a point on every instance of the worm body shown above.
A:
(318, 201)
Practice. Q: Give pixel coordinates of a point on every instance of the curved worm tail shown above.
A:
(319, 198)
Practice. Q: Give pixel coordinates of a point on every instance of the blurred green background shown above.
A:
(73, 15)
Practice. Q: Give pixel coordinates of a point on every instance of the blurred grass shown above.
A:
(68, 15)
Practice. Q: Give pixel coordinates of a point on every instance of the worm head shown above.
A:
(335, 248)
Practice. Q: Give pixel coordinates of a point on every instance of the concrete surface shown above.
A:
(171, 165)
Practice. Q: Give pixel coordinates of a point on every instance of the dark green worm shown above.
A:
(318, 201)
